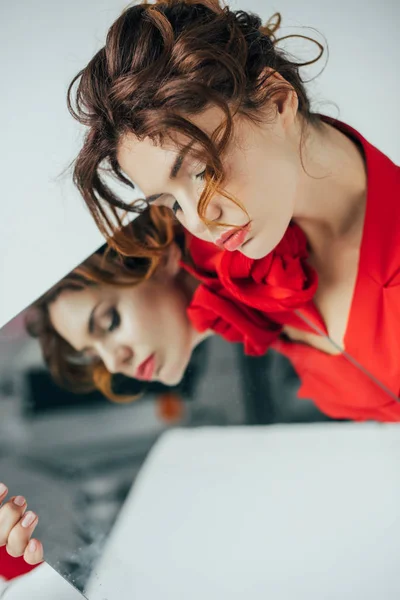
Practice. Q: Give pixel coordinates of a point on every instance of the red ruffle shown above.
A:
(244, 300)
(211, 309)
(281, 281)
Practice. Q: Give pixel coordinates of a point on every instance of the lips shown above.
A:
(146, 369)
(232, 240)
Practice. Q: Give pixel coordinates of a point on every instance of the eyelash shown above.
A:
(115, 320)
(176, 206)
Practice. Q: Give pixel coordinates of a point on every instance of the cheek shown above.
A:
(173, 329)
(263, 178)
(270, 193)
(138, 319)
(157, 317)
(272, 188)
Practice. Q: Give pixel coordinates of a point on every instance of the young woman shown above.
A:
(197, 106)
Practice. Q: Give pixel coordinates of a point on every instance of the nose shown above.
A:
(193, 221)
(116, 358)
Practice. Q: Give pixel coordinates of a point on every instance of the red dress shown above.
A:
(248, 301)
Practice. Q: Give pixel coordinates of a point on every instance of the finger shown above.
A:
(3, 492)
(20, 534)
(34, 552)
(10, 514)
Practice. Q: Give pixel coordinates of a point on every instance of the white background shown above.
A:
(45, 229)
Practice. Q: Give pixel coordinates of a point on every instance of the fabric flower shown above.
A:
(281, 281)
(211, 309)
(246, 300)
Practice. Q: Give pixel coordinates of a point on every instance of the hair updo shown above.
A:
(161, 64)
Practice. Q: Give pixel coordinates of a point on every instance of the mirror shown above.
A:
(77, 458)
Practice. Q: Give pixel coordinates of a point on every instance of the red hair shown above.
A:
(66, 365)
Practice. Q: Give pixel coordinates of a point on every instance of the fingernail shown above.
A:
(32, 546)
(19, 500)
(28, 519)
(3, 489)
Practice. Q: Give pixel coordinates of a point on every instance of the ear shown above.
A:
(283, 96)
(169, 266)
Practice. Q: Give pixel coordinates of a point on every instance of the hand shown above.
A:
(16, 527)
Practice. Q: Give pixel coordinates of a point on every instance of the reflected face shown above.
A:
(262, 167)
(140, 331)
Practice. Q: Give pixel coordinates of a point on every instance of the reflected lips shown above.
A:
(233, 239)
(146, 369)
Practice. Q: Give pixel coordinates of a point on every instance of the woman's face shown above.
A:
(141, 331)
(262, 167)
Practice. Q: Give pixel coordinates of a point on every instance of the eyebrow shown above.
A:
(173, 174)
(91, 325)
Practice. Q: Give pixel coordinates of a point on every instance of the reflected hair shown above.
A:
(163, 63)
(71, 369)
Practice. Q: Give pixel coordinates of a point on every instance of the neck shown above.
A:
(189, 285)
(332, 194)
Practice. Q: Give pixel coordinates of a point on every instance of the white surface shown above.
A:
(285, 512)
(43, 583)
(44, 228)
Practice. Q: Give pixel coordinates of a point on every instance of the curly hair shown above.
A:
(68, 367)
(163, 63)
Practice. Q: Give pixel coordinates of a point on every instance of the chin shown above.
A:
(256, 248)
(171, 377)
(249, 253)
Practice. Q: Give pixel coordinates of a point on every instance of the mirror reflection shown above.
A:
(127, 351)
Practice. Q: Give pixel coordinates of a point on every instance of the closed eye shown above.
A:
(108, 322)
(176, 207)
(115, 320)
